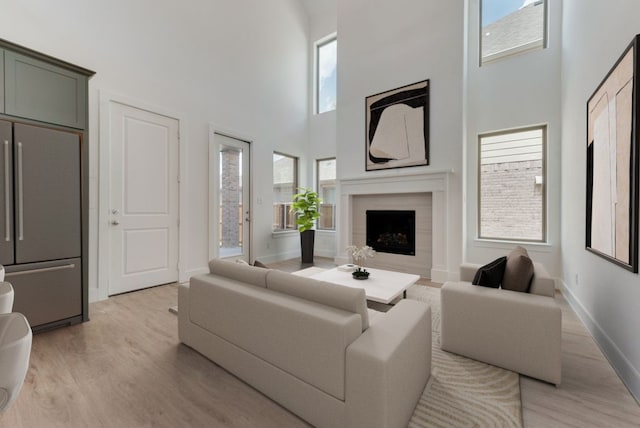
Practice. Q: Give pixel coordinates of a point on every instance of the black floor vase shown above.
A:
(307, 239)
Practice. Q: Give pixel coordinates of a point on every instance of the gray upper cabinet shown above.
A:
(45, 92)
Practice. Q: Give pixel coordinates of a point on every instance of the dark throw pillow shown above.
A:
(518, 272)
(260, 265)
(490, 275)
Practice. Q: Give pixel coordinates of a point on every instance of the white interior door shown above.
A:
(232, 209)
(144, 202)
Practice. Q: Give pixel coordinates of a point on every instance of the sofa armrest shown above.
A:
(388, 367)
(517, 331)
(542, 284)
(468, 271)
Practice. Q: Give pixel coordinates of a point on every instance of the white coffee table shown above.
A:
(382, 285)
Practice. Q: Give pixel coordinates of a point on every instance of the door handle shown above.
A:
(114, 211)
(7, 196)
(20, 196)
(41, 270)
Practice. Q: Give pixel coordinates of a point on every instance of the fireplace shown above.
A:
(392, 231)
(424, 192)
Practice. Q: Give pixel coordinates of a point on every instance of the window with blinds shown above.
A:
(512, 185)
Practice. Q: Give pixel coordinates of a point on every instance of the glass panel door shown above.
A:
(233, 198)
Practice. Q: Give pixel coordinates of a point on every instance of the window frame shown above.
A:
(316, 70)
(528, 47)
(318, 190)
(545, 203)
(296, 168)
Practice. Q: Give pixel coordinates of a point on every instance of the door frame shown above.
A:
(104, 190)
(214, 174)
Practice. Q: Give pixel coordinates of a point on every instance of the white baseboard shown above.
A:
(623, 367)
(326, 253)
(94, 295)
(273, 258)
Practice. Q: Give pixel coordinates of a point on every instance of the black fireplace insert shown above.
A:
(392, 231)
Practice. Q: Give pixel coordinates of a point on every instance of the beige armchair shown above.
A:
(517, 331)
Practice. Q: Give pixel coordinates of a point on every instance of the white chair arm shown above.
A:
(468, 271)
(542, 284)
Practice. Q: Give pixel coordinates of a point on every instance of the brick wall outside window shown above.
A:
(511, 201)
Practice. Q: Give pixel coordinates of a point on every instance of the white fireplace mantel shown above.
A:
(434, 182)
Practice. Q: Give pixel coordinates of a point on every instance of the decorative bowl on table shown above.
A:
(360, 274)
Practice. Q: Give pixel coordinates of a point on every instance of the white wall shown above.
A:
(512, 92)
(241, 65)
(322, 127)
(607, 297)
(384, 45)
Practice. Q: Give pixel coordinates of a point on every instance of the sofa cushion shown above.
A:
(518, 271)
(302, 338)
(239, 271)
(490, 275)
(339, 297)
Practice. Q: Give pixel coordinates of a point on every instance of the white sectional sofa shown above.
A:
(509, 329)
(308, 345)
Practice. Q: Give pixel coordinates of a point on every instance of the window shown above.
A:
(509, 27)
(512, 189)
(326, 61)
(285, 185)
(327, 191)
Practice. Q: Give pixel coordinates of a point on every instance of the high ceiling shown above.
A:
(319, 7)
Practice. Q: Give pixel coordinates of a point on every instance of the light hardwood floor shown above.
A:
(126, 368)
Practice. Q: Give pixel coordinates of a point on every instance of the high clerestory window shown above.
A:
(511, 185)
(508, 27)
(326, 60)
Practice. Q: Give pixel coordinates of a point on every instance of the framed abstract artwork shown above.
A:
(612, 164)
(397, 127)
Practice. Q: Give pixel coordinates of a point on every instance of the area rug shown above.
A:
(463, 392)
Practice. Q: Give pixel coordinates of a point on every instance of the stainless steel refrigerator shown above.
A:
(40, 222)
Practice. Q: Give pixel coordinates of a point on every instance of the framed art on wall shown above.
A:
(397, 127)
(612, 164)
